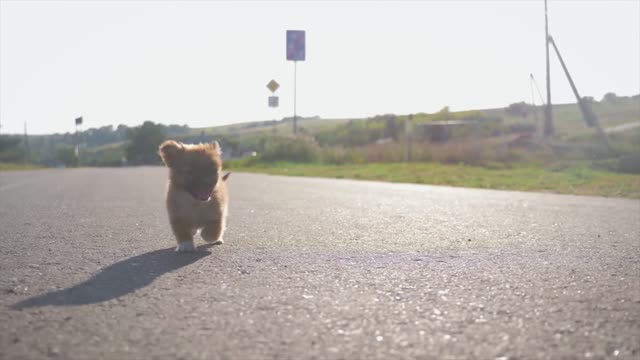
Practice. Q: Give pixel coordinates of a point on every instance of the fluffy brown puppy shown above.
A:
(197, 194)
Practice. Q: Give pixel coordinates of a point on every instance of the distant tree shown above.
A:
(175, 130)
(11, 149)
(143, 142)
(610, 97)
(391, 127)
(376, 130)
(8, 142)
(101, 136)
(67, 155)
(443, 114)
(518, 109)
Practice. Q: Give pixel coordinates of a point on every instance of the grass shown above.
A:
(576, 179)
(13, 167)
(568, 120)
(280, 128)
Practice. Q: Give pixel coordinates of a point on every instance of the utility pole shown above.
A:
(409, 134)
(78, 122)
(587, 112)
(548, 115)
(533, 104)
(27, 153)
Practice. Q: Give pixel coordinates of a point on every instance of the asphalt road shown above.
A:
(314, 269)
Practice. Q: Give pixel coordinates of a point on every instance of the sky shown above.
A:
(207, 63)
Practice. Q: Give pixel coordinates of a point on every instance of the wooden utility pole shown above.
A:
(548, 115)
(409, 134)
(27, 149)
(587, 113)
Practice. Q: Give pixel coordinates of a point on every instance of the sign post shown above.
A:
(273, 100)
(78, 124)
(295, 53)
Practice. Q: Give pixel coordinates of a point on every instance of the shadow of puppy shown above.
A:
(116, 280)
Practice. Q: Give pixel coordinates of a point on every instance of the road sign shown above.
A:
(273, 101)
(273, 86)
(79, 121)
(295, 45)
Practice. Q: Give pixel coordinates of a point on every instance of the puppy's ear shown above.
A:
(171, 151)
(216, 146)
(226, 176)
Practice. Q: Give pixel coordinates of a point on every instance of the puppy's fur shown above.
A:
(197, 193)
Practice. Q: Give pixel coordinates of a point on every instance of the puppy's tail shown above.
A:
(226, 176)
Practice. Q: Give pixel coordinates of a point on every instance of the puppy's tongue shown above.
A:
(204, 195)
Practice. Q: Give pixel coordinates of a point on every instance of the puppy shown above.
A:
(197, 193)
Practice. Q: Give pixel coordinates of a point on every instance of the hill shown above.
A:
(339, 138)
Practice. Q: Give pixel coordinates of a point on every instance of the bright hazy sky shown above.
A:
(206, 63)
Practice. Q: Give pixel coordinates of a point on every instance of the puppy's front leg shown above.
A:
(184, 235)
(212, 232)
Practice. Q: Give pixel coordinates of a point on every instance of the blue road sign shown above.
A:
(295, 45)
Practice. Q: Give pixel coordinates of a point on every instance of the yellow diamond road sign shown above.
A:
(273, 86)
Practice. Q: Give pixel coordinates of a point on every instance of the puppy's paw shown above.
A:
(214, 242)
(185, 246)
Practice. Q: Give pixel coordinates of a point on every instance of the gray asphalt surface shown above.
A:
(314, 269)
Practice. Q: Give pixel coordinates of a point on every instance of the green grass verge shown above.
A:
(578, 180)
(12, 167)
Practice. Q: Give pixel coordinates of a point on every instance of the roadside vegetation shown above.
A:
(14, 167)
(574, 179)
(494, 148)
